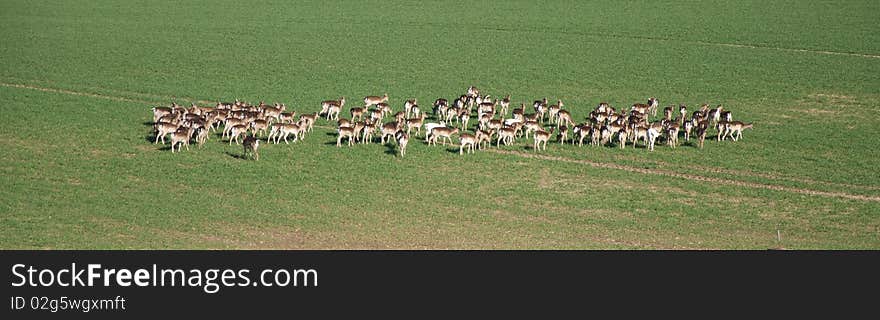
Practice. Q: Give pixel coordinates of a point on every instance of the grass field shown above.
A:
(78, 79)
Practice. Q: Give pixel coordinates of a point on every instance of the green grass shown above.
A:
(79, 171)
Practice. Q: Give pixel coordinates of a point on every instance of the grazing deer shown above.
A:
(466, 140)
(250, 145)
(374, 100)
(735, 129)
(344, 132)
(181, 136)
(389, 130)
(563, 118)
(415, 123)
(542, 136)
(163, 129)
(444, 133)
(402, 141)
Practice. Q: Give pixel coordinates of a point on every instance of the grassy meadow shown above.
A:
(80, 171)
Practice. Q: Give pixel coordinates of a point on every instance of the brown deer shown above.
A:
(250, 145)
(542, 136)
(374, 100)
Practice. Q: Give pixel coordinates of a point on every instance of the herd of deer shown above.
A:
(604, 125)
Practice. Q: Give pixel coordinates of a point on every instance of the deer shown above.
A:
(444, 133)
(653, 103)
(308, 121)
(563, 118)
(702, 129)
(562, 135)
(333, 112)
(531, 126)
(429, 127)
(553, 110)
(402, 141)
(682, 110)
(735, 129)
(285, 130)
(344, 132)
(357, 113)
(201, 137)
(367, 132)
(440, 106)
(389, 130)
(466, 140)
(163, 129)
(540, 107)
(237, 131)
(384, 107)
(375, 100)
(506, 134)
(159, 112)
(519, 113)
(415, 123)
(250, 145)
(181, 136)
(407, 106)
(482, 137)
(505, 104)
(287, 117)
(259, 127)
(621, 138)
(672, 134)
(473, 91)
(326, 105)
(581, 132)
(540, 137)
(464, 117)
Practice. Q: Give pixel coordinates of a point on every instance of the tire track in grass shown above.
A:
(668, 173)
(691, 177)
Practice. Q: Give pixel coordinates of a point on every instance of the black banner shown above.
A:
(113, 284)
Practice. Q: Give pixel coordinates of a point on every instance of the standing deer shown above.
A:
(250, 147)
